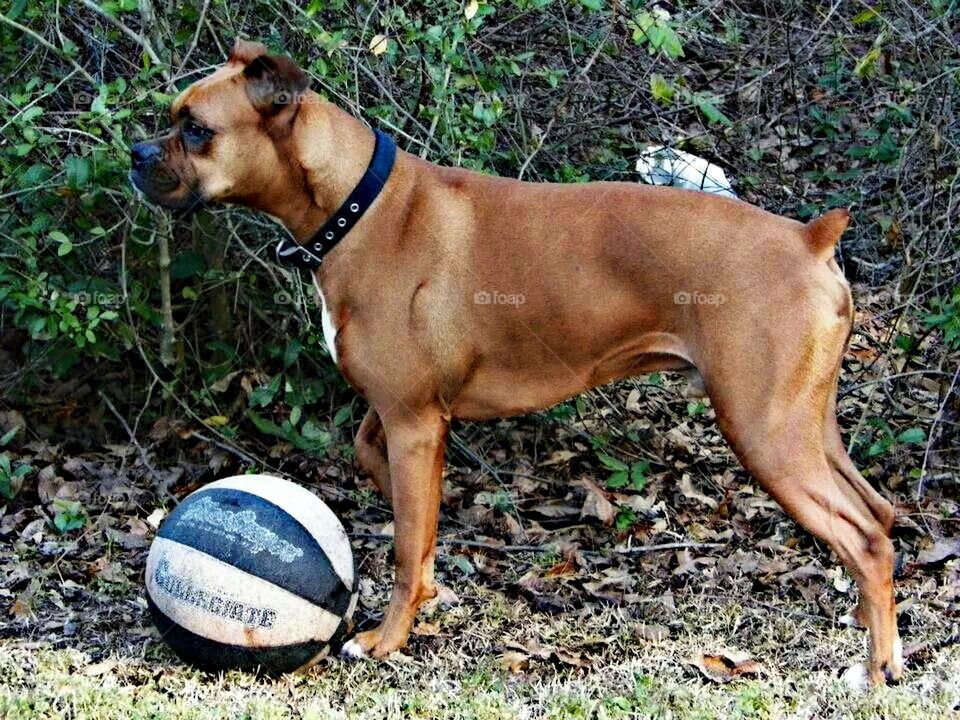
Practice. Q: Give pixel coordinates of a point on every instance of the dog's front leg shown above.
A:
(415, 444)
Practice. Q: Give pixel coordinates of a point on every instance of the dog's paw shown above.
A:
(373, 644)
(856, 677)
(894, 669)
(352, 650)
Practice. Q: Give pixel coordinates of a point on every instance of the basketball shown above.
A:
(252, 573)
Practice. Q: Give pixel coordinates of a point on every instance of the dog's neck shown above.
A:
(332, 150)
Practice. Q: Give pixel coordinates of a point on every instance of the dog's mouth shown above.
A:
(161, 187)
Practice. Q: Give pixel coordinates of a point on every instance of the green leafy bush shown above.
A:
(188, 317)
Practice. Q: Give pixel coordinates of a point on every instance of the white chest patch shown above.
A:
(326, 321)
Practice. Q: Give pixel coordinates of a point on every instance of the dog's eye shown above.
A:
(195, 133)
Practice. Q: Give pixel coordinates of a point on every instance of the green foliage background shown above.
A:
(115, 319)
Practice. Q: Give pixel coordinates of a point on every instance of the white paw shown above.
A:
(856, 677)
(351, 650)
(898, 662)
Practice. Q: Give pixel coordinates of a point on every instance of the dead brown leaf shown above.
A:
(533, 650)
(596, 503)
(558, 457)
(564, 568)
(686, 487)
(555, 510)
(942, 550)
(514, 661)
(426, 629)
(22, 606)
(726, 666)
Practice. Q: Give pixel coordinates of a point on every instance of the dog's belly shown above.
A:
(499, 388)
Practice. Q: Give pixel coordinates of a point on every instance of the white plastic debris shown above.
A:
(660, 165)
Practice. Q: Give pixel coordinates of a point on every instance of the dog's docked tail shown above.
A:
(823, 233)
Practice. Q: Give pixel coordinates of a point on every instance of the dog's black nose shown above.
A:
(143, 154)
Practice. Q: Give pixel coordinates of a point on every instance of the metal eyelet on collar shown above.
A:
(311, 254)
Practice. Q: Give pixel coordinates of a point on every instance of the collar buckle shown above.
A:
(310, 254)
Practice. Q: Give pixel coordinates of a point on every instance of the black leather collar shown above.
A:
(309, 255)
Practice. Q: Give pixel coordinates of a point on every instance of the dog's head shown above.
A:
(223, 145)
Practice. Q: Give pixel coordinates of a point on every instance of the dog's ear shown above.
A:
(244, 51)
(273, 82)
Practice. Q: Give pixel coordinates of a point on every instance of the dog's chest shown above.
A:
(326, 322)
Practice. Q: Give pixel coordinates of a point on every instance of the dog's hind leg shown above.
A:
(859, 490)
(775, 420)
(371, 446)
(840, 461)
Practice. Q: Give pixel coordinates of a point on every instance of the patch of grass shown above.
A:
(460, 675)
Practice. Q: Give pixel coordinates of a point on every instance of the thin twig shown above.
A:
(933, 428)
(495, 547)
(135, 36)
(562, 104)
(224, 446)
(131, 435)
(196, 37)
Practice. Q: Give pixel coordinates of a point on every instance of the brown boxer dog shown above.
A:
(461, 295)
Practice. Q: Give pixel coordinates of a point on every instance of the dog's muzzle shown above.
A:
(143, 156)
(150, 175)
(147, 171)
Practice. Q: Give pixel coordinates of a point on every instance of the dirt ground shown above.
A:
(552, 605)
(487, 655)
(605, 558)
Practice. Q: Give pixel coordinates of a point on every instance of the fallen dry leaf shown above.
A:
(568, 658)
(514, 661)
(596, 504)
(101, 668)
(137, 526)
(555, 510)
(841, 582)
(379, 44)
(686, 487)
(113, 572)
(557, 457)
(942, 550)
(22, 606)
(533, 649)
(426, 629)
(155, 518)
(726, 666)
(564, 568)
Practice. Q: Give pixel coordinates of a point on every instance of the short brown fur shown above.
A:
(615, 279)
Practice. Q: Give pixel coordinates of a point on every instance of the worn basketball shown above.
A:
(254, 573)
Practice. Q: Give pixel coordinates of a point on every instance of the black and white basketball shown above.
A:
(254, 573)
